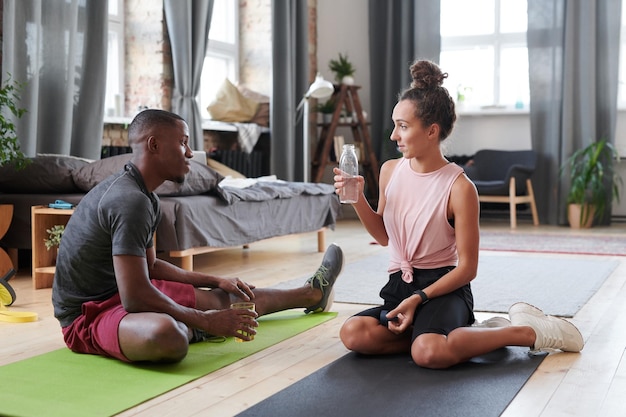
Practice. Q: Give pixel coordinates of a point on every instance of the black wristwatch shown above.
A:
(422, 295)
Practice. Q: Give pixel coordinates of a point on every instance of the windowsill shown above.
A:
(207, 124)
(490, 111)
(117, 120)
(216, 125)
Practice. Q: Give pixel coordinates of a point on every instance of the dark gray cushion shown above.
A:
(44, 174)
(199, 180)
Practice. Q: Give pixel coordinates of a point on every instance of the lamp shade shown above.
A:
(320, 88)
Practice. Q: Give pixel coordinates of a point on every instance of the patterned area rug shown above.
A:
(514, 241)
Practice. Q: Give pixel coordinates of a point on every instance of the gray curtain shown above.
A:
(58, 50)
(573, 75)
(188, 23)
(290, 69)
(400, 32)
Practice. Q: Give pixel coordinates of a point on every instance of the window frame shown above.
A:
(498, 41)
(116, 25)
(226, 51)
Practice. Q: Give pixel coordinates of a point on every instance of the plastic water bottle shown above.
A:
(349, 165)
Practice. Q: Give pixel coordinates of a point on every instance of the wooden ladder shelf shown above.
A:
(347, 97)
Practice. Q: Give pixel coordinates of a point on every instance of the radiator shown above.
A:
(250, 165)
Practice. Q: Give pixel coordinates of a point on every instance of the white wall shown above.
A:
(343, 27)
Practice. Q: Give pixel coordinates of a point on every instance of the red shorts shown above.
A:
(95, 331)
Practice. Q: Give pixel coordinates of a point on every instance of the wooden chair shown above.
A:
(504, 177)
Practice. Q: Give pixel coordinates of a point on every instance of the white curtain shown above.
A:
(58, 50)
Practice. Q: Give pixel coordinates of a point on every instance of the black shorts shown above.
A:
(439, 315)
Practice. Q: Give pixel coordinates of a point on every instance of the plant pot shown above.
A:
(327, 118)
(573, 216)
(347, 80)
(6, 215)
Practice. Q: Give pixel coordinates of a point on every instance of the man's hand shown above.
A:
(229, 322)
(237, 287)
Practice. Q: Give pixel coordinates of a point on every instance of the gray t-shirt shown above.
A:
(117, 217)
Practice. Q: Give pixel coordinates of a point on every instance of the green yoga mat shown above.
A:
(65, 384)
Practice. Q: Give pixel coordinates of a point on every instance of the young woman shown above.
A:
(428, 215)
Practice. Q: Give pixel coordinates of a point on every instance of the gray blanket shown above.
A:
(262, 191)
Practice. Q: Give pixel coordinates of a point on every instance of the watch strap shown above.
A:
(422, 295)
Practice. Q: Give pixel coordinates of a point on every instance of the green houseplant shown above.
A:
(10, 151)
(326, 109)
(343, 69)
(55, 233)
(594, 182)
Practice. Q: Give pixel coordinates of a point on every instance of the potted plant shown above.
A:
(343, 69)
(10, 151)
(54, 236)
(326, 109)
(594, 182)
(55, 233)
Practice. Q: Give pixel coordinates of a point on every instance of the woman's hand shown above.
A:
(237, 287)
(404, 314)
(339, 182)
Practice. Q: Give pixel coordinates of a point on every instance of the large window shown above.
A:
(114, 101)
(222, 57)
(483, 50)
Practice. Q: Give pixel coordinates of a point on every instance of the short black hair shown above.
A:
(149, 119)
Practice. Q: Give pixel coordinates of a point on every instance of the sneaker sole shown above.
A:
(331, 297)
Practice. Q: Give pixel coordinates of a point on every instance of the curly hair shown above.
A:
(433, 104)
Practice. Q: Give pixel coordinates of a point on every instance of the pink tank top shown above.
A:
(416, 219)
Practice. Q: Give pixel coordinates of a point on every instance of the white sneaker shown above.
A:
(491, 322)
(552, 332)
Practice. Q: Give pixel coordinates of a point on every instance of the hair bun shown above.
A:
(426, 74)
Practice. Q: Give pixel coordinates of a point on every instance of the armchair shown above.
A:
(504, 177)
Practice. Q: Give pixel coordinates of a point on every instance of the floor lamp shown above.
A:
(319, 89)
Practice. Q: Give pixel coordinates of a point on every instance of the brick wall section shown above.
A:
(148, 72)
(255, 48)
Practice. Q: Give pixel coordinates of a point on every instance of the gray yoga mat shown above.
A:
(390, 386)
(558, 285)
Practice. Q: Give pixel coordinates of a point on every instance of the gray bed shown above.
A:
(198, 216)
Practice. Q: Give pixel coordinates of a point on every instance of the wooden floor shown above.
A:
(592, 383)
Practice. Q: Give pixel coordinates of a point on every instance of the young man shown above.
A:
(114, 297)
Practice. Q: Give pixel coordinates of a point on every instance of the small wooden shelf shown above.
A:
(43, 261)
(45, 270)
(346, 97)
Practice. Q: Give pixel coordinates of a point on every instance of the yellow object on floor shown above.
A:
(16, 316)
(7, 297)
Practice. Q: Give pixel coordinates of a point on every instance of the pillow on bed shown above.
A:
(199, 180)
(45, 174)
(92, 174)
(224, 170)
